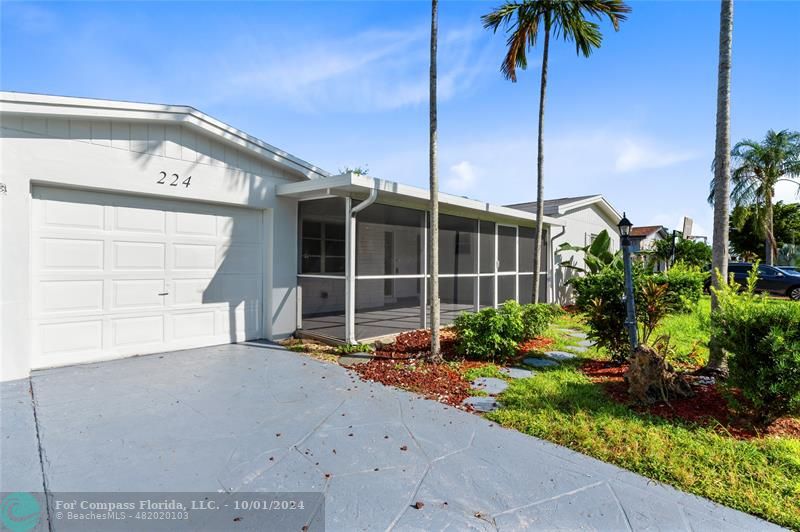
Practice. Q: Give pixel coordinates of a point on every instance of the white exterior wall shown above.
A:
(579, 225)
(126, 157)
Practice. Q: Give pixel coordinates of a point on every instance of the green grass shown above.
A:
(489, 370)
(761, 477)
(688, 333)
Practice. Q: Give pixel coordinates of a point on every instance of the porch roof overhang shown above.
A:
(359, 186)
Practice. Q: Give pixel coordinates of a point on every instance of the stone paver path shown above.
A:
(540, 362)
(247, 418)
(559, 355)
(517, 373)
(482, 404)
(490, 385)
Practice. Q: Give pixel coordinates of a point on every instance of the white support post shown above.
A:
(350, 274)
(423, 308)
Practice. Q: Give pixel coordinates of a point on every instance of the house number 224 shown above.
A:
(173, 180)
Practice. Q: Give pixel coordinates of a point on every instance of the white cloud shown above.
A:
(787, 192)
(462, 177)
(642, 154)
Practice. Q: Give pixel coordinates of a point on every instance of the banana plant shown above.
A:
(596, 256)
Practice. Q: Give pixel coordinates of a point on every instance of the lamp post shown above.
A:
(630, 320)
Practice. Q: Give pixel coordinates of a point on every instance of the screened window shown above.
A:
(457, 242)
(527, 241)
(506, 248)
(389, 241)
(487, 247)
(322, 236)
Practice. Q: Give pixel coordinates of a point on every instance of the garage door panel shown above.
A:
(193, 324)
(196, 224)
(139, 255)
(141, 330)
(139, 220)
(66, 338)
(120, 275)
(194, 256)
(71, 254)
(60, 214)
(71, 296)
(137, 293)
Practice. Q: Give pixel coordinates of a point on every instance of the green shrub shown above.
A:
(684, 286)
(495, 333)
(346, 349)
(762, 338)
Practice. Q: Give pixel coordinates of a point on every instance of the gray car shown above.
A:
(772, 280)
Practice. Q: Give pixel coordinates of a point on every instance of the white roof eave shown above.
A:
(352, 183)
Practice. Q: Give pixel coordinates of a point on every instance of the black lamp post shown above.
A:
(630, 320)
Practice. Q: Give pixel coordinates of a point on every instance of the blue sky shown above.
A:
(345, 84)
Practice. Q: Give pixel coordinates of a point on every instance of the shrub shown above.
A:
(684, 286)
(496, 333)
(762, 338)
(347, 349)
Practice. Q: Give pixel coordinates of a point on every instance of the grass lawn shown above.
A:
(758, 476)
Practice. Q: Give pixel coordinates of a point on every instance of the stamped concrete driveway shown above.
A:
(258, 418)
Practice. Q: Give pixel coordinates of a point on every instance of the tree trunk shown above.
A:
(433, 238)
(537, 250)
(722, 167)
(771, 246)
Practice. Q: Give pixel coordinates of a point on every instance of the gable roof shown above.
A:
(560, 206)
(646, 230)
(97, 109)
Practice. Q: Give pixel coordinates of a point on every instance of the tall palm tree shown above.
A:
(562, 19)
(436, 355)
(757, 168)
(722, 168)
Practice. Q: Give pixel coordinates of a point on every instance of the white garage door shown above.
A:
(117, 275)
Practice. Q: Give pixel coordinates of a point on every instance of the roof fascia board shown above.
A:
(68, 107)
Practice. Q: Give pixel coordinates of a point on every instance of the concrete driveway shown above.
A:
(256, 418)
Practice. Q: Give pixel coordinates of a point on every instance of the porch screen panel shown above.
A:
(526, 288)
(387, 306)
(456, 294)
(486, 295)
(506, 248)
(389, 241)
(322, 306)
(321, 228)
(487, 231)
(527, 239)
(506, 288)
(457, 245)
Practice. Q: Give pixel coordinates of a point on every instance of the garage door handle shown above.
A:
(164, 294)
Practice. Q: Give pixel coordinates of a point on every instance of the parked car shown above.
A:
(770, 279)
(793, 270)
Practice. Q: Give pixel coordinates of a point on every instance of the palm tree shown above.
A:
(757, 168)
(436, 355)
(565, 19)
(722, 167)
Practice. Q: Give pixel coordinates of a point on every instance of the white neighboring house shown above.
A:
(643, 240)
(130, 228)
(583, 218)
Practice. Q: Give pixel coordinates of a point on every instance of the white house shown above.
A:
(130, 228)
(582, 219)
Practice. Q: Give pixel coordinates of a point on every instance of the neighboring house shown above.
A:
(582, 219)
(643, 240)
(131, 228)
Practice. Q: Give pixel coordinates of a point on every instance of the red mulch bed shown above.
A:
(435, 381)
(707, 408)
(417, 344)
(535, 344)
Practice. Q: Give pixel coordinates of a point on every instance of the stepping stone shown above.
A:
(482, 404)
(353, 360)
(517, 373)
(585, 343)
(559, 355)
(490, 385)
(577, 348)
(540, 362)
(578, 334)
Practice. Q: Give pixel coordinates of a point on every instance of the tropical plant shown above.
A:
(757, 168)
(747, 237)
(722, 167)
(433, 252)
(596, 256)
(562, 19)
(689, 252)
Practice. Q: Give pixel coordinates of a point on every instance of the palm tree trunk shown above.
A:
(771, 245)
(434, 185)
(722, 167)
(537, 251)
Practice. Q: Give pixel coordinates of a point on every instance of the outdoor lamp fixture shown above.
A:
(630, 320)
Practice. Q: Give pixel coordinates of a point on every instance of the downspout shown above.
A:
(552, 258)
(350, 274)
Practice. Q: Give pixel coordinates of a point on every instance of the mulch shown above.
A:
(709, 407)
(417, 344)
(440, 382)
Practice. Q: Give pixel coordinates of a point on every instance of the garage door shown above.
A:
(117, 275)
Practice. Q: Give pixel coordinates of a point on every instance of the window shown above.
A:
(322, 236)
